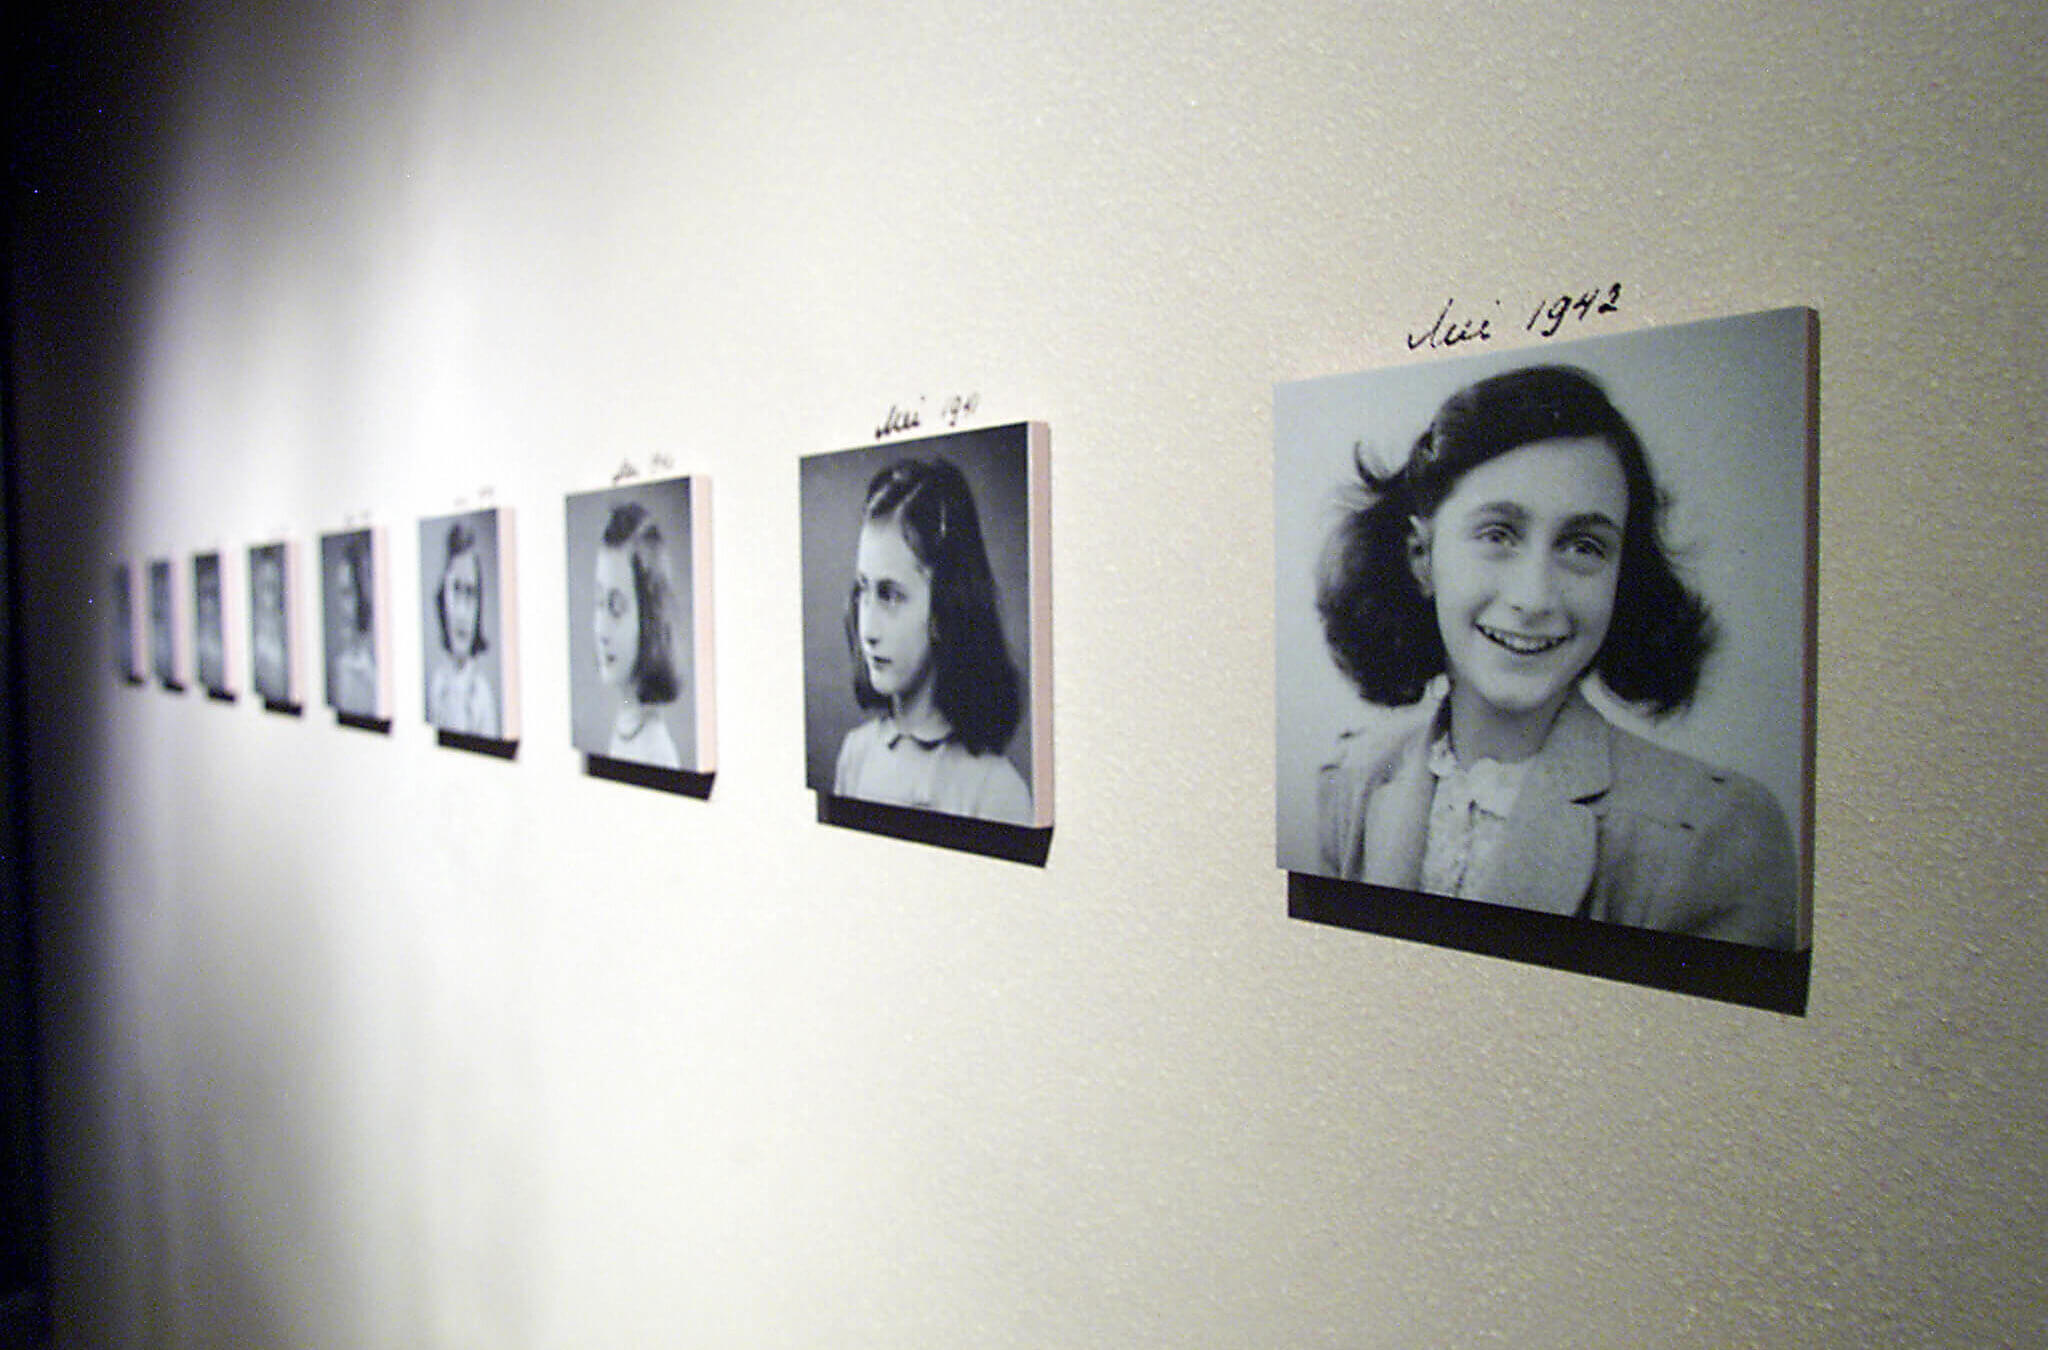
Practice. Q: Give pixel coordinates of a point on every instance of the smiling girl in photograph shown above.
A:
(929, 657)
(1516, 552)
(634, 631)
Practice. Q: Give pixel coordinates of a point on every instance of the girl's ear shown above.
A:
(1418, 552)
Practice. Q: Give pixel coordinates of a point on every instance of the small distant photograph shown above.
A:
(270, 625)
(1543, 624)
(466, 611)
(927, 623)
(126, 663)
(209, 628)
(163, 625)
(638, 559)
(353, 621)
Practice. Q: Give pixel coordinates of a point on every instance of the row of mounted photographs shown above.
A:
(926, 638)
(1543, 626)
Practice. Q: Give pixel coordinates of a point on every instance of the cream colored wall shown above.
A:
(358, 1041)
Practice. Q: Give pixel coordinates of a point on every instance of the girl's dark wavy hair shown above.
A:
(355, 556)
(974, 682)
(461, 540)
(632, 528)
(1382, 629)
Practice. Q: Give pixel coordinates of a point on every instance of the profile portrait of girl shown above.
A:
(636, 571)
(1513, 557)
(460, 695)
(633, 625)
(930, 664)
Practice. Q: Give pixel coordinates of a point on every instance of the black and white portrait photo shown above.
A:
(353, 622)
(209, 626)
(926, 624)
(465, 624)
(163, 625)
(1542, 626)
(126, 663)
(272, 655)
(638, 560)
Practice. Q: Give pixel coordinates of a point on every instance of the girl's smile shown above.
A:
(1520, 645)
(1522, 559)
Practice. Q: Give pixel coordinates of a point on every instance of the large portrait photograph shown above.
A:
(467, 631)
(209, 625)
(1544, 628)
(927, 624)
(639, 562)
(273, 634)
(355, 624)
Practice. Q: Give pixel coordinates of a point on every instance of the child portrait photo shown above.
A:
(273, 655)
(163, 625)
(466, 624)
(354, 623)
(209, 625)
(126, 665)
(638, 559)
(927, 680)
(1543, 628)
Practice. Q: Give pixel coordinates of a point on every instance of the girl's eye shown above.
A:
(1592, 546)
(1586, 552)
(1494, 532)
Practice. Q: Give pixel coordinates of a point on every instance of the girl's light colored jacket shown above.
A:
(1607, 826)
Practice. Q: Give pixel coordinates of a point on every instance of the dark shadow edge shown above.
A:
(362, 722)
(679, 782)
(287, 709)
(1809, 729)
(222, 696)
(1756, 977)
(1027, 844)
(478, 745)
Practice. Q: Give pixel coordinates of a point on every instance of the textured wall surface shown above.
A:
(359, 1041)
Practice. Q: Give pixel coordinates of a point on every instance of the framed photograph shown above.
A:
(928, 625)
(355, 621)
(1544, 625)
(274, 662)
(164, 654)
(639, 588)
(209, 625)
(127, 664)
(467, 624)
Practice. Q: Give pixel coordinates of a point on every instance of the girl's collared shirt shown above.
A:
(881, 762)
(1468, 815)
